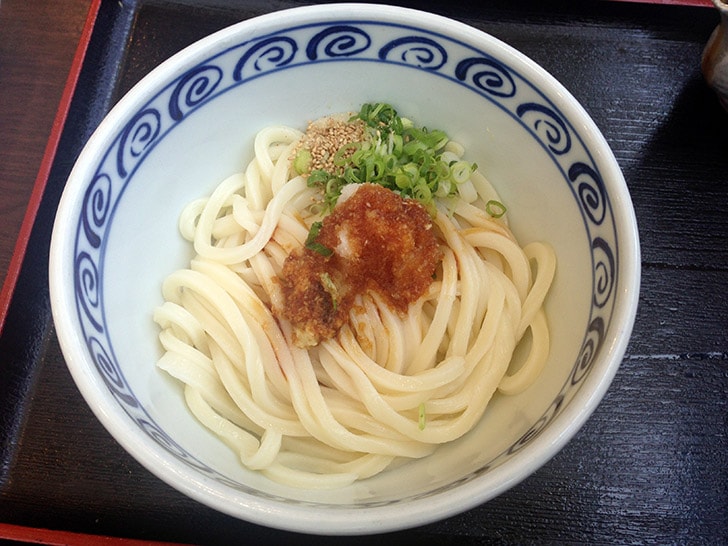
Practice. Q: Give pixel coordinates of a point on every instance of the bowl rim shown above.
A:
(347, 521)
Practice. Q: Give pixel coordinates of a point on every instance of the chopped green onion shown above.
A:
(443, 188)
(412, 161)
(312, 244)
(422, 416)
(494, 208)
(302, 161)
(341, 157)
(330, 287)
(460, 171)
(317, 177)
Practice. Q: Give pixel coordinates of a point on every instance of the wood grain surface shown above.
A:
(38, 40)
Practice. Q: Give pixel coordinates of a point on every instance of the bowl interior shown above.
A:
(191, 123)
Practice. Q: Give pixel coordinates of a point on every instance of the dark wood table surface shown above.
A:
(650, 466)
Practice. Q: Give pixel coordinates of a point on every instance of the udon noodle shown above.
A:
(388, 385)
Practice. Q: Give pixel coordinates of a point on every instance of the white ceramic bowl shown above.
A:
(190, 123)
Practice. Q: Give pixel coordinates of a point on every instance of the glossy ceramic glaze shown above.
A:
(191, 122)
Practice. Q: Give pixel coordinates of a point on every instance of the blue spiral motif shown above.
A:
(95, 208)
(491, 76)
(604, 271)
(141, 131)
(193, 88)
(338, 41)
(104, 363)
(589, 349)
(548, 126)
(110, 373)
(156, 433)
(86, 287)
(539, 425)
(162, 438)
(590, 190)
(266, 55)
(417, 51)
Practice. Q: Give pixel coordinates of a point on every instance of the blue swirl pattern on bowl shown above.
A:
(343, 41)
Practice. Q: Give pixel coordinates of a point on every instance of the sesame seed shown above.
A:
(324, 137)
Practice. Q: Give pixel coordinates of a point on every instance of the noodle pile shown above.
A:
(388, 385)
